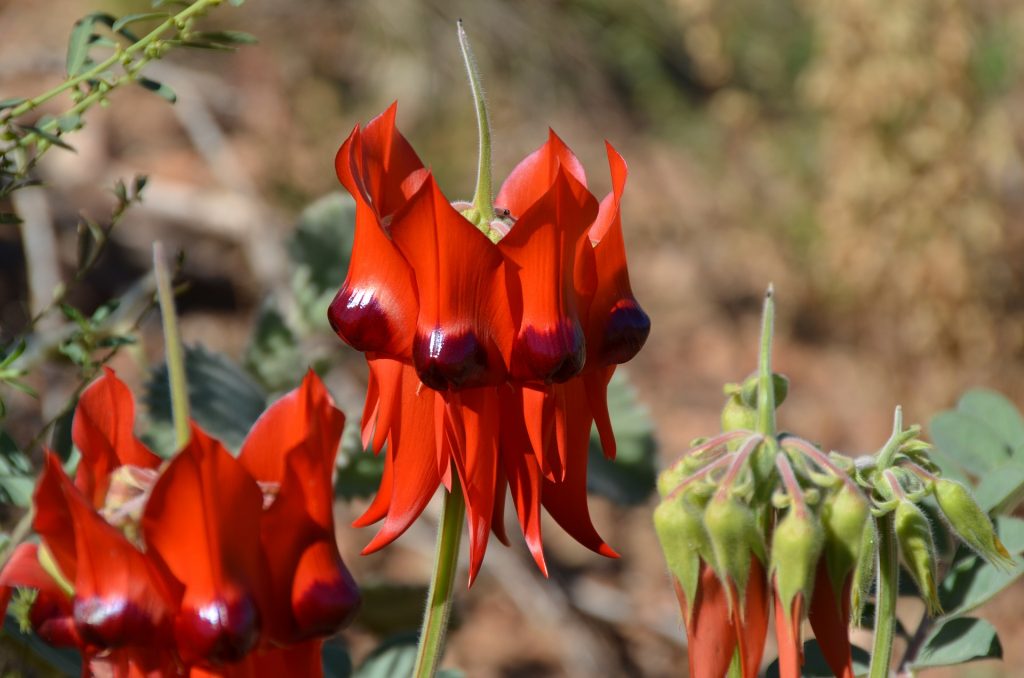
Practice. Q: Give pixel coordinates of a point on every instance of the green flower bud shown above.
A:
(670, 478)
(970, 523)
(843, 515)
(732, 530)
(864, 572)
(796, 545)
(914, 534)
(748, 391)
(736, 416)
(684, 541)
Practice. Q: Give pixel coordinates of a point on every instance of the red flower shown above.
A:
(203, 564)
(489, 354)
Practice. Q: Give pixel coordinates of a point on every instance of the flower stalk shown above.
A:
(886, 595)
(172, 348)
(439, 600)
(482, 210)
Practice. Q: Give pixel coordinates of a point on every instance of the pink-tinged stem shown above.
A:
(738, 462)
(793, 488)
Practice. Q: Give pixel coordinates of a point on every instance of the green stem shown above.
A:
(483, 197)
(765, 383)
(898, 437)
(172, 347)
(119, 55)
(439, 600)
(885, 600)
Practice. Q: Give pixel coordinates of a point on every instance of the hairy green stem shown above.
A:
(765, 383)
(885, 599)
(483, 196)
(439, 599)
(172, 348)
(120, 55)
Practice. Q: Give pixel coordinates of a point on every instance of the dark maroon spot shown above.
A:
(357, 317)
(327, 606)
(625, 332)
(550, 355)
(220, 631)
(115, 621)
(449, 360)
(52, 622)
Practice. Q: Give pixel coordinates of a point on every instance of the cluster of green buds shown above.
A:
(753, 518)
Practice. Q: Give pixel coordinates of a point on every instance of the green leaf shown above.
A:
(78, 44)
(273, 355)
(141, 16)
(336, 660)
(395, 658)
(226, 37)
(971, 582)
(16, 479)
(12, 102)
(959, 641)
(995, 411)
(52, 138)
(35, 656)
(1001, 489)
(10, 355)
(815, 665)
(322, 243)
(158, 88)
(630, 478)
(224, 399)
(969, 441)
(69, 122)
(1011, 533)
(236, 3)
(9, 218)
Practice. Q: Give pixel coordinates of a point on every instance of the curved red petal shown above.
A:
(477, 465)
(549, 343)
(566, 501)
(787, 635)
(711, 636)
(596, 384)
(617, 326)
(324, 596)
(829, 615)
(302, 659)
(464, 329)
(533, 176)
(304, 416)
(120, 597)
(414, 475)
(53, 521)
(523, 472)
(751, 622)
(103, 431)
(203, 522)
(50, 614)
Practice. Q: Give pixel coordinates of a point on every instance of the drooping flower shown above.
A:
(489, 352)
(204, 565)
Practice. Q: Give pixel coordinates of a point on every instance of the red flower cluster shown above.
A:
(206, 565)
(492, 358)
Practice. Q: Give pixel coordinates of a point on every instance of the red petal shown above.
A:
(829, 615)
(596, 384)
(616, 325)
(309, 590)
(566, 501)
(103, 432)
(303, 660)
(135, 663)
(711, 636)
(538, 411)
(498, 513)
(120, 597)
(541, 249)
(532, 177)
(464, 330)
(524, 475)
(375, 310)
(203, 521)
(477, 465)
(752, 624)
(413, 477)
(787, 635)
(305, 416)
(50, 614)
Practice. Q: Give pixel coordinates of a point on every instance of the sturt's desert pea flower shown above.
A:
(490, 339)
(205, 564)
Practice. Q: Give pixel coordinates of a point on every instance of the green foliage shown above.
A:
(389, 608)
(273, 355)
(17, 481)
(630, 478)
(395, 658)
(28, 652)
(815, 665)
(958, 641)
(320, 250)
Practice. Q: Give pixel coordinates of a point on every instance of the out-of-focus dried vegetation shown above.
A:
(864, 155)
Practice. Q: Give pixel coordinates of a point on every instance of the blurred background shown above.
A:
(864, 156)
